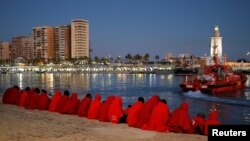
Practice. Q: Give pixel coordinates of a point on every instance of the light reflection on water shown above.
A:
(234, 108)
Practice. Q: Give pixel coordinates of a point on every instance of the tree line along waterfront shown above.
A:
(129, 58)
(128, 64)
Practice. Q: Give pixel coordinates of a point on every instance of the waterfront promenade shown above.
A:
(117, 68)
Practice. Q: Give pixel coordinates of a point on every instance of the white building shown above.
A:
(79, 38)
(216, 48)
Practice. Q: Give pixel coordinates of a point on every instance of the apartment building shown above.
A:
(79, 38)
(4, 50)
(43, 42)
(21, 46)
(62, 42)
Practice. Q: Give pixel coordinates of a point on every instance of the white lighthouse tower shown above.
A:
(216, 43)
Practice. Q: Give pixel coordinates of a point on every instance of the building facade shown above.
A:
(21, 46)
(62, 42)
(56, 43)
(4, 50)
(65, 42)
(216, 43)
(43, 42)
(79, 38)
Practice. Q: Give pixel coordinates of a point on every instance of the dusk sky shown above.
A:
(119, 27)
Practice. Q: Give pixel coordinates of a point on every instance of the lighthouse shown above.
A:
(216, 43)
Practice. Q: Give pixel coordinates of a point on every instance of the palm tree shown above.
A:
(89, 60)
(146, 57)
(96, 59)
(128, 57)
(137, 58)
(104, 60)
(157, 57)
(119, 59)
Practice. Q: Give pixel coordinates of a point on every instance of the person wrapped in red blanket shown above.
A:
(71, 105)
(55, 99)
(62, 101)
(198, 123)
(94, 107)
(146, 110)
(43, 101)
(180, 121)
(159, 117)
(9, 96)
(32, 99)
(84, 106)
(115, 110)
(212, 120)
(23, 97)
(103, 113)
(132, 118)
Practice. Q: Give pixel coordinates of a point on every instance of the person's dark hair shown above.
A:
(66, 92)
(44, 91)
(141, 99)
(16, 87)
(201, 114)
(37, 90)
(164, 101)
(129, 106)
(89, 95)
(103, 101)
(27, 89)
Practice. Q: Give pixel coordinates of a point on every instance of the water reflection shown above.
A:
(247, 95)
(20, 80)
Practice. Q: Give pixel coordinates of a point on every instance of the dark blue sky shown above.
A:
(118, 27)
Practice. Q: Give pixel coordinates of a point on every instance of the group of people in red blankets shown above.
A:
(153, 114)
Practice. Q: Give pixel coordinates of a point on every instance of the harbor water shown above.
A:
(233, 107)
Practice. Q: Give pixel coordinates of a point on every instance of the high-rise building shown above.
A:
(43, 42)
(216, 43)
(62, 42)
(56, 43)
(4, 50)
(65, 42)
(21, 47)
(79, 38)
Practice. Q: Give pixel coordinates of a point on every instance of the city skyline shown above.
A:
(117, 28)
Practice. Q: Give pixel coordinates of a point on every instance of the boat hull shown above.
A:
(234, 83)
(221, 88)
